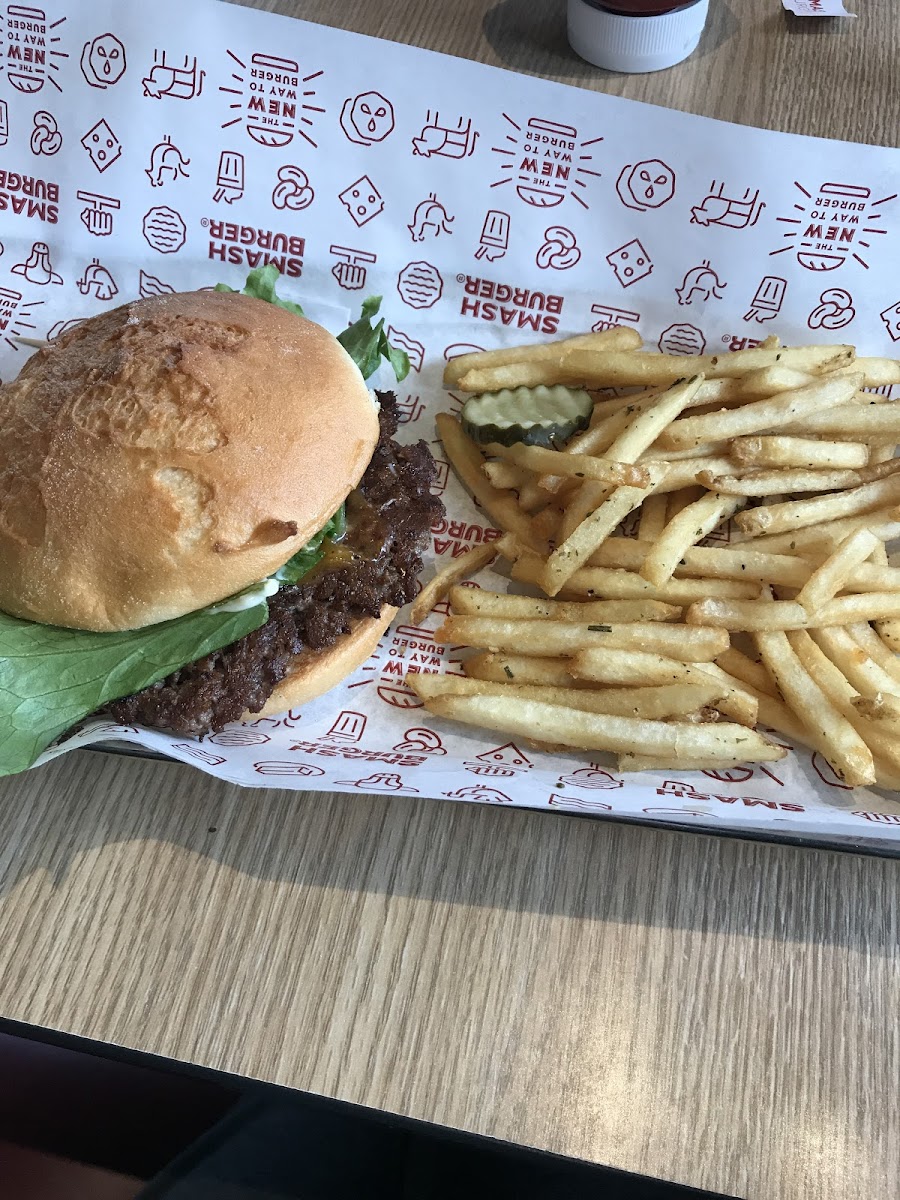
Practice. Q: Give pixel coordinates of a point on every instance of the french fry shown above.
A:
(882, 452)
(554, 638)
(768, 709)
(889, 632)
(505, 476)
(711, 391)
(606, 470)
(831, 576)
(782, 409)
(595, 440)
(877, 372)
(869, 641)
(467, 460)
(628, 585)
(881, 735)
(652, 520)
(850, 423)
(748, 616)
(477, 602)
(737, 703)
(795, 514)
(602, 731)
(627, 763)
(635, 668)
(439, 588)
(620, 337)
(682, 473)
(741, 561)
(520, 668)
(783, 450)
(769, 381)
(656, 453)
(792, 479)
(655, 704)
(863, 672)
(651, 422)
(545, 524)
(753, 674)
(599, 369)
(592, 532)
(822, 538)
(880, 708)
(828, 730)
(513, 375)
(690, 526)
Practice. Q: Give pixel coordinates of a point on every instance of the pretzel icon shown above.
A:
(292, 190)
(559, 249)
(45, 137)
(834, 311)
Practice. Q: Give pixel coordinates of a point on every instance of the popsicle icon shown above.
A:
(768, 300)
(494, 240)
(230, 178)
(4, 122)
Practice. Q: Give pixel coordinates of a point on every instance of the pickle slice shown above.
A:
(538, 416)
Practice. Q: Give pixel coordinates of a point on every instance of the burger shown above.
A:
(204, 516)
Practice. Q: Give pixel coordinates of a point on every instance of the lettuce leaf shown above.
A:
(367, 344)
(51, 678)
(261, 283)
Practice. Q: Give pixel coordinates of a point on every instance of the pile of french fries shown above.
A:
(708, 556)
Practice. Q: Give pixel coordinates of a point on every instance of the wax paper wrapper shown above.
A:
(156, 147)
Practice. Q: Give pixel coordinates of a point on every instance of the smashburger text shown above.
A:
(29, 195)
(244, 245)
(519, 307)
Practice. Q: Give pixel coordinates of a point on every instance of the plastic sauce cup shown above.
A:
(636, 36)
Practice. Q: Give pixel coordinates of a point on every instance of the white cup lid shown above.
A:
(635, 44)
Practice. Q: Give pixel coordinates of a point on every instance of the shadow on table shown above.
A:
(531, 38)
(516, 860)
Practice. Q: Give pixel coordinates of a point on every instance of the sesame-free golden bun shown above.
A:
(313, 673)
(166, 454)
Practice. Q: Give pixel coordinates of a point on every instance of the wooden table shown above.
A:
(716, 1012)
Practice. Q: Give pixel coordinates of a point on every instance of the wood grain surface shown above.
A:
(716, 1012)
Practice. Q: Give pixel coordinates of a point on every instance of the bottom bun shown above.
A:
(316, 672)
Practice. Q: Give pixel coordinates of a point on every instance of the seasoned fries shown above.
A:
(691, 525)
(618, 338)
(476, 602)
(551, 637)
(795, 514)
(615, 369)
(782, 450)
(635, 644)
(567, 726)
(760, 415)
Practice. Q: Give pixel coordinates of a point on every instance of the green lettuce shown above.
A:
(51, 678)
(367, 344)
(261, 283)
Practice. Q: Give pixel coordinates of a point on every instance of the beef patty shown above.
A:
(376, 563)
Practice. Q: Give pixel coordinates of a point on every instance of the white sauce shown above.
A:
(247, 599)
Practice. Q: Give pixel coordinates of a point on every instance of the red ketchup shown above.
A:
(635, 36)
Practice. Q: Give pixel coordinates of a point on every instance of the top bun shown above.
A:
(164, 455)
